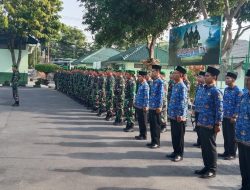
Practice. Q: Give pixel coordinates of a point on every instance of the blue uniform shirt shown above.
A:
(178, 104)
(156, 94)
(231, 101)
(142, 96)
(211, 112)
(198, 98)
(243, 122)
(244, 90)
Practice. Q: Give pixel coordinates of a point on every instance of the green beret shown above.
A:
(163, 73)
(130, 72)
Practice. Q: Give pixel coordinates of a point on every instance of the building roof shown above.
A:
(102, 54)
(5, 36)
(139, 53)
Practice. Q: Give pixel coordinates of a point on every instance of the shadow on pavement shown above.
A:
(129, 172)
(115, 128)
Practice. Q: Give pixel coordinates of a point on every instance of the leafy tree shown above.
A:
(20, 19)
(71, 44)
(238, 10)
(47, 68)
(118, 22)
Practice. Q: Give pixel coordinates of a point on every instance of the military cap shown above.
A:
(156, 67)
(202, 73)
(143, 73)
(248, 73)
(181, 69)
(163, 73)
(130, 72)
(232, 75)
(213, 71)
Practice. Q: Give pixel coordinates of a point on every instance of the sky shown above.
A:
(72, 15)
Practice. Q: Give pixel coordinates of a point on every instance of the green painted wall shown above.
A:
(6, 66)
(7, 77)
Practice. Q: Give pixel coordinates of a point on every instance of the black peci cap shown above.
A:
(181, 69)
(213, 71)
(156, 67)
(232, 75)
(143, 73)
(202, 73)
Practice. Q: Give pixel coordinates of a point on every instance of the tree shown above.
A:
(21, 19)
(118, 22)
(71, 44)
(238, 10)
(47, 68)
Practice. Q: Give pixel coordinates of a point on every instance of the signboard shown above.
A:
(196, 43)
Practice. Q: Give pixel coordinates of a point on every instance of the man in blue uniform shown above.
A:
(155, 107)
(231, 103)
(141, 105)
(177, 113)
(243, 135)
(198, 103)
(209, 122)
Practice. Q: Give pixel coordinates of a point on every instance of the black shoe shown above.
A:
(140, 138)
(200, 172)
(154, 146)
(131, 129)
(149, 144)
(177, 158)
(222, 155)
(15, 104)
(229, 158)
(163, 130)
(208, 174)
(172, 155)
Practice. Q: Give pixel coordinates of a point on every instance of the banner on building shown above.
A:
(196, 43)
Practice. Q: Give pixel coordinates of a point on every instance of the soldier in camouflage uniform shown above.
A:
(164, 106)
(109, 95)
(129, 101)
(14, 81)
(94, 97)
(101, 94)
(119, 98)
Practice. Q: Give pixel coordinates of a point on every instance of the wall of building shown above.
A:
(6, 66)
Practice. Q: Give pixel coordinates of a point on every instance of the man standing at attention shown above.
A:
(198, 103)
(231, 103)
(155, 107)
(141, 105)
(177, 113)
(243, 135)
(209, 122)
(14, 81)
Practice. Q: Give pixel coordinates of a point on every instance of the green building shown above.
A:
(95, 59)
(132, 58)
(6, 61)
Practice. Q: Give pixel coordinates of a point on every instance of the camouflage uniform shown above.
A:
(128, 104)
(101, 94)
(119, 99)
(109, 96)
(164, 108)
(14, 81)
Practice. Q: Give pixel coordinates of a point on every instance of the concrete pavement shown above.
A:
(51, 142)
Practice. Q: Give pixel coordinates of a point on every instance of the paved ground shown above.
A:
(51, 142)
